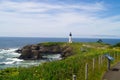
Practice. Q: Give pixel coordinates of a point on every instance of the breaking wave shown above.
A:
(9, 58)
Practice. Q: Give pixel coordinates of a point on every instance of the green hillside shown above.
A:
(83, 53)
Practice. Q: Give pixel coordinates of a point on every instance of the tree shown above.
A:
(100, 41)
(117, 45)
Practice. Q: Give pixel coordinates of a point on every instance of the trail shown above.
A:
(113, 73)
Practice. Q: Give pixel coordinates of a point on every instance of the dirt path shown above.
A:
(113, 74)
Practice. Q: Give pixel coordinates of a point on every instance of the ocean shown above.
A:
(8, 45)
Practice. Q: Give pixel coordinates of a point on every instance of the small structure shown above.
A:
(70, 37)
(109, 60)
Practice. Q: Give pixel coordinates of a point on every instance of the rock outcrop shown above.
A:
(34, 52)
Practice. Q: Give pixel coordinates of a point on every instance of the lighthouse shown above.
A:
(70, 37)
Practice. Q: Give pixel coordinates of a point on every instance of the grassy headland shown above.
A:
(73, 65)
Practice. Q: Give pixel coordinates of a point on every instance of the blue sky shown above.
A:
(56, 18)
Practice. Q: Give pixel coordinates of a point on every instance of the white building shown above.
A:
(70, 37)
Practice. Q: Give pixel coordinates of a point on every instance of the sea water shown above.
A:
(8, 45)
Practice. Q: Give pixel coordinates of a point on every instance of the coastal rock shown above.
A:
(34, 52)
(66, 52)
(18, 51)
(26, 54)
(35, 47)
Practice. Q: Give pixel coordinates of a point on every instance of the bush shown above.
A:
(117, 45)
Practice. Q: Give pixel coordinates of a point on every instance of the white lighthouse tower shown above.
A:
(70, 37)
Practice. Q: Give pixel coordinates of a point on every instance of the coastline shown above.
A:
(73, 64)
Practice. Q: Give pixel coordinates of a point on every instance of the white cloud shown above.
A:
(43, 7)
(46, 19)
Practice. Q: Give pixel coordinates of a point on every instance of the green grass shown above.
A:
(64, 69)
(48, 44)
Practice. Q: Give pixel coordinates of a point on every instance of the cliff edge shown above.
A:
(35, 51)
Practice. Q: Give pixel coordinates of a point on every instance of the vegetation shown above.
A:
(100, 41)
(64, 69)
(48, 44)
(116, 45)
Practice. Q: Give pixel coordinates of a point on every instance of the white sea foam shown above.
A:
(53, 57)
(10, 50)
(8, 58)
(14, 59)
(9, 62)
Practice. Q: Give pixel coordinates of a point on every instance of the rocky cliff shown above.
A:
(34, 52)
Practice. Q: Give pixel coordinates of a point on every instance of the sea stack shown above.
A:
(70, 37)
